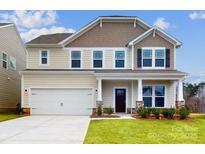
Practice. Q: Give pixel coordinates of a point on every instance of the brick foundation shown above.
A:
(180, 104)
(26, 111)
(139, 104)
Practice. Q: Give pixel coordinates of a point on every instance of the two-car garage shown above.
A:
(61, 101)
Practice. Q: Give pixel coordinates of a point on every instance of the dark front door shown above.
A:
(120, 100)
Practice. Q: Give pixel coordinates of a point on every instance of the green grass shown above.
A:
(146, 131)
(5, 117)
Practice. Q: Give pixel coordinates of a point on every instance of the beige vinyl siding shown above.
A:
(10, 80)
(59, 58)
(156, 41)
(56, 81)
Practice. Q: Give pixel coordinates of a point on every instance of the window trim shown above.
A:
(125, 59)
(7, 59)
(153, 57)
(81, 59)
(48, 57)
(153, 94)
(103, 59)
(10, 65)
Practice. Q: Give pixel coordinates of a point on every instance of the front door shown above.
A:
(120, 100)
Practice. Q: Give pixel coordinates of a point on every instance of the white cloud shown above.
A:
(30, 19)
(197, 15)
(162, 23)
(34, 23)
(32, 33)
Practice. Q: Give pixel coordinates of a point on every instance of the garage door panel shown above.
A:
(62, 101)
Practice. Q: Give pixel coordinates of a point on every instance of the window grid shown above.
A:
(75, 59)
(97, 61)
(5, 60)
(119, 59)
(44, 57)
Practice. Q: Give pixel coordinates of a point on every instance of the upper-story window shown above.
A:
(12, 62)
(4, 60)
(119, 59)
(97, 59)
(153, 57)
(44, 57)
(75, 59)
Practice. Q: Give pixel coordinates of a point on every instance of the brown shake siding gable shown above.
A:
(156, 41)
(115, 34)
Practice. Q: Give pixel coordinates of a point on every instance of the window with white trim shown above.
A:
(4, 60)
(75, 59)
(44, 57)
(97, 59)
(119, 59)
(154, 96)
(12, 63)
(153, 57)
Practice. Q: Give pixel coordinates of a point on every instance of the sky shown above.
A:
(186, 26)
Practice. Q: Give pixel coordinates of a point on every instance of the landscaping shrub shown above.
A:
(143, 112)
(149, 110)
(183, 112)
(169, 113)
(109, 110)
(99, 109)
(156, 112)
(18, 108)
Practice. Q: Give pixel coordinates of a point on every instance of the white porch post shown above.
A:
(180, 91)
(99, 90)
(139, 90)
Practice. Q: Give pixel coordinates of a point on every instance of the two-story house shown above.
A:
(12, 60)
(119, 61)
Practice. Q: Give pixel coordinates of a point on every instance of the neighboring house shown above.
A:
(12, 60)
(119, 61)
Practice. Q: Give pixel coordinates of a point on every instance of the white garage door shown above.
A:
(61, 101)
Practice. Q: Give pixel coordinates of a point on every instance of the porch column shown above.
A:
(180, 99)
(139, 102)
(180, 91)
(99, 90)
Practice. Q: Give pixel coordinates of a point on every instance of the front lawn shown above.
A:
(146, 131)
(4, 117)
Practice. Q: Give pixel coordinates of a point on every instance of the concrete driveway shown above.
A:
(45, 129)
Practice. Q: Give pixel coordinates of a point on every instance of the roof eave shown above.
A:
(45, 45)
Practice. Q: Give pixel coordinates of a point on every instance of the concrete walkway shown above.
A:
(45, 129)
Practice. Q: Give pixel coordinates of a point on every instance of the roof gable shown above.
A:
(160, 32)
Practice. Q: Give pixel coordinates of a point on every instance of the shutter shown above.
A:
(167, 58)
(139, 58)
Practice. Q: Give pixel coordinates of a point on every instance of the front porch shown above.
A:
(125, 95)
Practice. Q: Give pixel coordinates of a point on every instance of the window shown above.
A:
(147, 58)
(44, 57)
(75, 59)
(119, 59)
(159, 57)
(97, 59)
(154, 96)
(12, 63)
(153, 57)
(147, 96)
(4, 60)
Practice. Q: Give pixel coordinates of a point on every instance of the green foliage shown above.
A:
(143, 112)
(184, 113)
(169, 113)
(191, 89)
(18, 108)
(156, 112)
(149, 110)
(109, 110)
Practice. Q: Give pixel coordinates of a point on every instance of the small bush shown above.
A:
(99, 109)
(18, 108)
(169, 113)
(183, 112)
(149, 110)
(156, 112)
(109, 111)
(143, 112)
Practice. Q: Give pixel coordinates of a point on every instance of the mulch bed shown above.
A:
(104, 116)
(176, 117)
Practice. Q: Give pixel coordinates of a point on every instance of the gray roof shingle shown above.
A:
(50, 38)
(4, 24)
